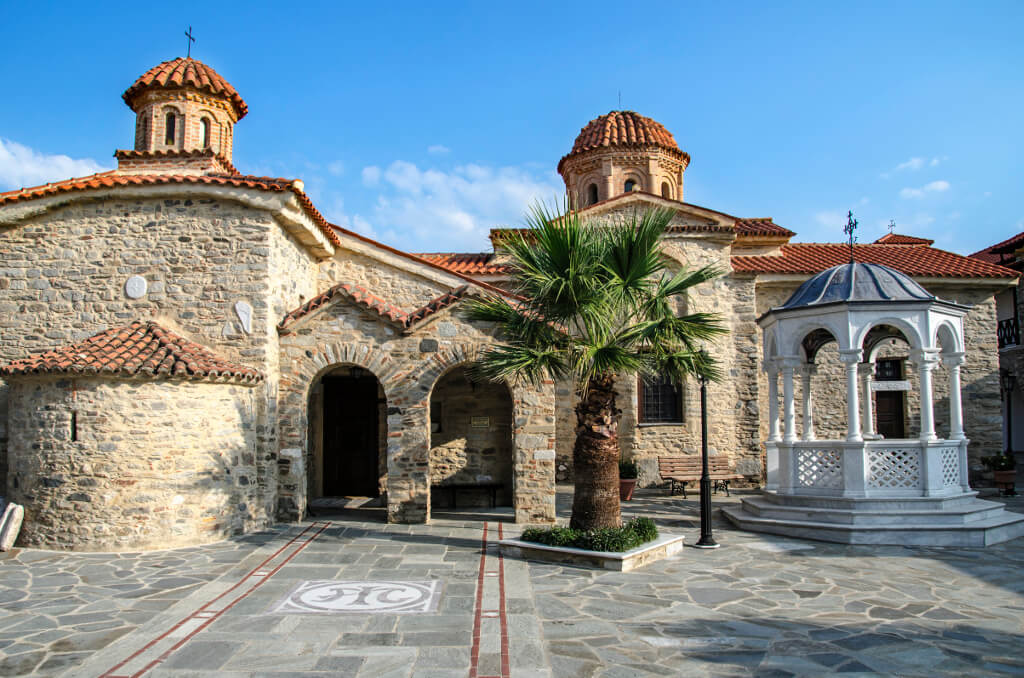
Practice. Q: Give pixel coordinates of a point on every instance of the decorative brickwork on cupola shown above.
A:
(182, 106)
(620, 152)
(142, 350)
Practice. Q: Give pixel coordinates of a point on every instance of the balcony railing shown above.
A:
(1008, 332)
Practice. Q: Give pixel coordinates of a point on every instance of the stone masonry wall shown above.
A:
(63, 272)
(156, 464)
(407, 365)
(405, 290)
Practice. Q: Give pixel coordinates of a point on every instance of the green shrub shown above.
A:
(628, 470)
(616, 539)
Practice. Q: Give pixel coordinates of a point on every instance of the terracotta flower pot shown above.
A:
(626, 487)
(1004, 480)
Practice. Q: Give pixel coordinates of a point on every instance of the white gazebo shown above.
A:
(864, 489)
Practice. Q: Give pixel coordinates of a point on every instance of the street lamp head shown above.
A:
(1007, 381)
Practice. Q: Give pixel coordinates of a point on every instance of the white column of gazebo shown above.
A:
(863, 488)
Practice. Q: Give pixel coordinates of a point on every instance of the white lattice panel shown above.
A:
(950, 457)
(895, 468)
(819, 468)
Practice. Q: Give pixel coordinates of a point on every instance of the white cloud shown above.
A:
(371, 175)
(21, 166)
(914, 164)
(337, 168)
(830, 219)
(426, 210)
(932, 187)
(438, 149)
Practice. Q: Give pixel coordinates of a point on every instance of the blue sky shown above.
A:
(426, 124)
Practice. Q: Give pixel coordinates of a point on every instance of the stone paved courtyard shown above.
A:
(760, 605)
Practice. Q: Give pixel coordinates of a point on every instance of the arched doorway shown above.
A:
(348, 434)
(471, 447)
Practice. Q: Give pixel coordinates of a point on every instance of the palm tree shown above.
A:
(596, 302)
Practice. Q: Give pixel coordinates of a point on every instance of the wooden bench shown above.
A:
(680, 471)
(453, 488)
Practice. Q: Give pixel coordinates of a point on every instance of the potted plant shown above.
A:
(1004, 473)
(628, 472)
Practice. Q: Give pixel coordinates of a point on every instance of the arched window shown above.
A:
(660, 400)
(170, 133)
(630, 185)
(204, 132)
(591, 194)
(666, 190)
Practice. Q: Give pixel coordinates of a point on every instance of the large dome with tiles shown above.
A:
(186, 72)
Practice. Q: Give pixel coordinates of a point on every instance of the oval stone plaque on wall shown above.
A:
(135, 287)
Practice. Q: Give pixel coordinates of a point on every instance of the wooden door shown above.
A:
(889, 413)
(351, 437)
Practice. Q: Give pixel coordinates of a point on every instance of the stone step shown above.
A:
(887, 504)
(992, 530)
(959, 515)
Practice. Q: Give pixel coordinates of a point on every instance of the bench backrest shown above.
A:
(691, 464)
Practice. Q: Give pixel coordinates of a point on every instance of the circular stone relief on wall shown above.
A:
(135, 287)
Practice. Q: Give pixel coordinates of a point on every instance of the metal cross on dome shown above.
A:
(188, 52)
(851, 226)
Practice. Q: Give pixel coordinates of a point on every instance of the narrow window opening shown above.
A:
(204, 129)
(169, 133)
(666, 191)
(591, 194)
(630, 185)
(74, 426)
(889, 369)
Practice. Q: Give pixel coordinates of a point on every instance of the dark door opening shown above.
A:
(351, 437)
(889, 411)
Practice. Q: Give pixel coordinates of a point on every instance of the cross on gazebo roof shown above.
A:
(851, 226)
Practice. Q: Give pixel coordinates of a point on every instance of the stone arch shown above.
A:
(297, 380)
(471, 435)
(948, 338)
(911, 334)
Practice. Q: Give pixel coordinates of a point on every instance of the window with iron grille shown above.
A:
(889, 369)
(660, 400)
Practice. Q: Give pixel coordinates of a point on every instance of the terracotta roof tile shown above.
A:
(761, 226)
(470, 263)
(897, 239)
(360, 295)
(808, 258)
(112, 179)
(435, 305)
(140, 350)
(132, 154)
(186, 72)
(996, 253)
(623, 128)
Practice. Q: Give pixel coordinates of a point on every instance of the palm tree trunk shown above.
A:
(595, 458)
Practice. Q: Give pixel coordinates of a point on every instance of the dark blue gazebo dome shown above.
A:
(857, 283)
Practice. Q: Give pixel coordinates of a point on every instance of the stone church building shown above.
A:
(189, 352)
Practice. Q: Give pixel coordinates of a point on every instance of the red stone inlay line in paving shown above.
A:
(210, 611)
(480, 613)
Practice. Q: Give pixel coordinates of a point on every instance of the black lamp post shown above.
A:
(1007, 381)
(707, 541)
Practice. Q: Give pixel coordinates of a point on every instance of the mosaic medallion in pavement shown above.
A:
(361, 597)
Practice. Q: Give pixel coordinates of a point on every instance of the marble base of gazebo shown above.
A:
(903, 492)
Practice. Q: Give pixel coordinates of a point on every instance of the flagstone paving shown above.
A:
(760, 605)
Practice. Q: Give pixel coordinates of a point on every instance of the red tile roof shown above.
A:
(186, 72)
(360, 295)
(623, 128)
(140, 350)
(996, 253)
(761, 226)
(111, 179)
(808, 258)
(470, 263)
(897, 239)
